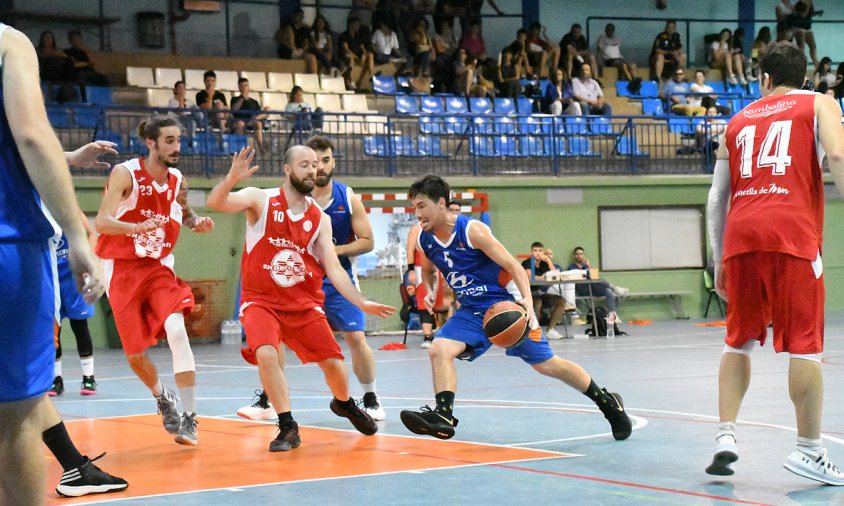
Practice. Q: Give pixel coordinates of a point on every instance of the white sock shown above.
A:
(158, 389)
(726, 429)
(87, 366)
(57, 368)
(811, 447)
(188, 396)
(368, 387)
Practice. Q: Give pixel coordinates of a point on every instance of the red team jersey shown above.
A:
(147, 200)
(279, 268)
(775, 178)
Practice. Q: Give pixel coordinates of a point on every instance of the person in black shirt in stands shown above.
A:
(244, 113)
(211, 98)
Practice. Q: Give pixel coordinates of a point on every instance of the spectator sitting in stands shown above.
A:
(302, 121)
(54, 64)
(667, 51)
(211, 98)
(362, 11)
(588, 92)
(464, 73)
(796, 20)
(518, 48)
(321, 45)
(600, 289)
(737, 48)
(721, 56)
(575, 48)
(179, 100)
(422, 48)
(824, 73)
(558, 99)
(609, 52)
(510, 73)
(244, 115)
(385, 46)
(83, 61)
(444, 45)
(707, 135)
(293, 41)
(760, 48)
(536, 266)
(700, 86)
(540, 50)
(354, 48)
(473, 42)
(674, 93)
(838, 87)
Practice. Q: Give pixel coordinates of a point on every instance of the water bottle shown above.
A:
(230, 332)
(610, 327)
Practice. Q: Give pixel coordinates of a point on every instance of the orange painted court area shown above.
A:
(233, 453)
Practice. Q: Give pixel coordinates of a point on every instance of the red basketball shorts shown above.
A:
(306, 332)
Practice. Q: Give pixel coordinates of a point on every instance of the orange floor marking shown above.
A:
(234, 453)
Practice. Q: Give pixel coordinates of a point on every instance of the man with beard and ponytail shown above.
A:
(143, 210)
(288, 252)
(352, 236)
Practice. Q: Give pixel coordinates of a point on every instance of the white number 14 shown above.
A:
(773, 152)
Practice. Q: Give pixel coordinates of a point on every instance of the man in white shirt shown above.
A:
(588, 92)
(385, 45)
(609, 52)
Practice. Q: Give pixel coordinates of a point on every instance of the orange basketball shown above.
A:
(505, 324)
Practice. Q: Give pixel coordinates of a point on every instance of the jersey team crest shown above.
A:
(150, 244)
(287, 268)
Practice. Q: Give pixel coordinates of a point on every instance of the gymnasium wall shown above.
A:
(520, 214)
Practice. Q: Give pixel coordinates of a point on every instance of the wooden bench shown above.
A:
(674, 298)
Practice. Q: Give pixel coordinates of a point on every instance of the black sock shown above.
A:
(594, 392)
(445, 402)
(58, 441)
(348, 403)
(429, 337)
(285, 419)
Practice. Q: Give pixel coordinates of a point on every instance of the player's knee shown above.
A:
(745, 349)
(267, 356)
(355, 339)
(137, 359)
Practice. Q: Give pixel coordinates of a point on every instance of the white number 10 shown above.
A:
(774, 150)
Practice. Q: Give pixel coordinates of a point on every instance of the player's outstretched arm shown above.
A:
(717, 205)
(324, 250)
(195, 222)
(831, 134)
(118, 188)
(363, 242)
(482, 239)
(88, 156)
(248, 199)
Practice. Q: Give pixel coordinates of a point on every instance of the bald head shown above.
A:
(294, 153)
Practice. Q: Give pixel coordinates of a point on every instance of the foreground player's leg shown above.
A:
(275, 388)
(733, 380)
(363, 365)
(146, 371)
(184, 368)
(440, 421)
(262, 408)
(85, 348)
(342, 405)
(22, 468)
(81, 476)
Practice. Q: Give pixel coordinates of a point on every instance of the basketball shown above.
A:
(505, 324)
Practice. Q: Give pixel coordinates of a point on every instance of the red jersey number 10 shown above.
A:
(773, 152)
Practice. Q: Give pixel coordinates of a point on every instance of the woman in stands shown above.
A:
(322, 45)
(54, 64)
(558, 99)
(422, 48)
(824, 74)
(721, 57)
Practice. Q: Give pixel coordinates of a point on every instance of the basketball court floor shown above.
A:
(522, 438)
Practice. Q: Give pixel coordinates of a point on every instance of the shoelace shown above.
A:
(261, 401)
(824, 462)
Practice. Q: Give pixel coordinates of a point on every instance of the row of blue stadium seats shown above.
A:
(650, 89)
(198, 145)
(529, 125)
(71, 93)
(497, 146)
(428, 104)
(657, 107)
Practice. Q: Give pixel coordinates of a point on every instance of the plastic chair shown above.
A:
(505, 145)
(580, 146)
(652, 106)
(480, 105)
(525, 105)
(410, 304)
(505, 106)
(375, 145)
(456, 105)
(430, 125)
(428, 145)
(432, 105)
(406, 104)
(384, 85)
(534, 146)
(709, 283)
(98, 95)
(627, 146)
(481, 146)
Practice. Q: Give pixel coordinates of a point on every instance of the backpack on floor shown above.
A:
(601, 315)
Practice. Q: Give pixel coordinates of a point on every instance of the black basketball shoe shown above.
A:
(89, 479)
(429, 422)
(287, 439)
(362, 421)
(612, 406)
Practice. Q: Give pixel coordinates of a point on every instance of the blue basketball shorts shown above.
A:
(27, 313)
(72, 305)
(466, 326)
(342, 315)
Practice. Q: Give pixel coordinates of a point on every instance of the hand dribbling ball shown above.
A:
(505, 324)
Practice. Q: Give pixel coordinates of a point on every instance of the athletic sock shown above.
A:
(188, 396)
(726, 428)
(87, 366)
(58, 441)
(429, 337)
(57, 368)
(368, 387)
(811, 447)
(285, 419)
(158, 389)
(445, 402)
(594, 392)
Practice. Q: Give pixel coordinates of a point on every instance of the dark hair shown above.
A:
(177, 83)
(455, 203)
(763, 35)
(209, 73)
(535, 25)
(241, 80)
(74, 32)
(786, 65)
(730, 32)
(670, 22)
(150, 128)
(433, 187)
(326, 28)
(826, 60)
(536, 244)
(577, 248)
(576, 25)
(41, 39)
(609, 25)
(294, 90)
(520, 31)
(319, 143)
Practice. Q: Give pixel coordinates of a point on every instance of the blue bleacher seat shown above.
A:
(717, 86)
(505, 145)
(403, 145)
(384, 85)
(753, 89)
(481, 145)
(432, 105)
(429, 146)
(525, 105)
(456, 105)
(536, 124)
(580, 146)
(627, 146)
(456, 125)
(375, 145)
(58, 116)
(87, 117)
(185, 146)
(681, 125)
(98, 95)
(560, 148)
(431, 125)
(505, 106)
(575, 125)
(534, 146)
(406, 104)
(652, 106)
(621, 88)
(483, 125)
(136, 146)
(108, 135)
(480, 105)
(233, 143)
(208, 145)
(599, 125)
(650, 89)
(504, 125)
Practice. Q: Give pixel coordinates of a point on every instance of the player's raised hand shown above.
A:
(381, 310)
(87, 157)
(146, 226)
(203, 225)
(242, 167)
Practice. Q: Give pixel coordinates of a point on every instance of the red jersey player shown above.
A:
(287, 253)
(143, 210)
(767, 249)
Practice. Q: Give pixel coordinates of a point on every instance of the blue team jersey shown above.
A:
(477, 281)
(21, 218)
(339, 209)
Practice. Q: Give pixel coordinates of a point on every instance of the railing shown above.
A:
(413, 145)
